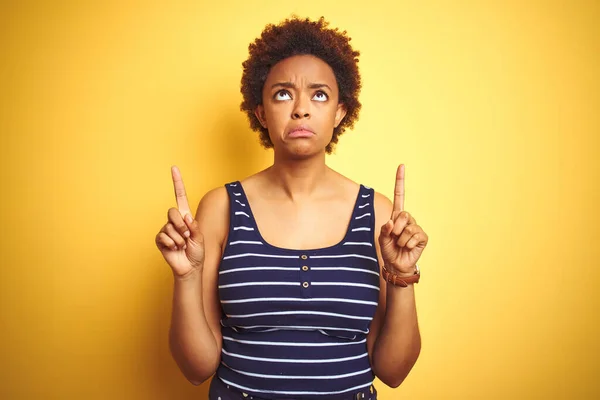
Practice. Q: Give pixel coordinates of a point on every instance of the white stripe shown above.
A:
(259, 284)
(245, 228)
(364, 205)
(296, 360)
(366, 187)
(237, 194)
(347, 255)
(297, 376)
(365, 196)
(288, 327)
(361, 229)
(262, 255)
(345, 284)
(259, 268)
(241, 213)
(346, 269)
(294, 392)
(259, 299)
(364, 215)
(233, 184)
(358, 244)
(327, 334)
(299, 313)
(263, 343)
(243, 205)
(245, 242)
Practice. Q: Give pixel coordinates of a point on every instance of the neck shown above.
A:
(298, 178)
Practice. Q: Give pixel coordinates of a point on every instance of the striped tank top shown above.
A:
(295, 322)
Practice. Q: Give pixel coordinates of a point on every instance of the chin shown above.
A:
(299, 151)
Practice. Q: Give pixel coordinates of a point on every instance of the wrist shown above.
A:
(192, 275)
(402, 279)
(400, 274)
(397, 271)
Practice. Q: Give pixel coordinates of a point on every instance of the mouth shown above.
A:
(301, 131)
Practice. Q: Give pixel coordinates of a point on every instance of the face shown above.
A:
(300, 105)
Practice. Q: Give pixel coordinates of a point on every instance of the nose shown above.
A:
(301, 108)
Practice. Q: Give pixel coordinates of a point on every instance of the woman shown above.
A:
(278, 287)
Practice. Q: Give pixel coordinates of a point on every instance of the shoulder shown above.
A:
(383, 210)
(212, 214)
(214, 200)
(382, 205)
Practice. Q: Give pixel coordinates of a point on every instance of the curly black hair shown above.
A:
(292, 37)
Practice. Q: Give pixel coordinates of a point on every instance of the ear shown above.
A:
(260, 114)
(340, 113)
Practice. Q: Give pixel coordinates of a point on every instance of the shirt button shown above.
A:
(304, 256)
(305, 285)
(304, 268)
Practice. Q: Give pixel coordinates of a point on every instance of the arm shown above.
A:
(394, 340)
(195, 333)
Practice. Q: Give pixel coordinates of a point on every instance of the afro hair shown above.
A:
(292, 37)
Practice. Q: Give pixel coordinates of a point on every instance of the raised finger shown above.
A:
(399, 189)
(180, 195)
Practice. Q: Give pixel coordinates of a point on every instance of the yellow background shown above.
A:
(492, 106)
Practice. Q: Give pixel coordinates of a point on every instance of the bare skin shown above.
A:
(298, 203)
(307, 222)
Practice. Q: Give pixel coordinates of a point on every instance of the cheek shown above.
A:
(276, 122)
(330, 115)
(275, 117)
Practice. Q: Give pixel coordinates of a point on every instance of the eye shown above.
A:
(321, 96)
(282, 95)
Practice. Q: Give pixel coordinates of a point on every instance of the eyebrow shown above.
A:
(290, 85)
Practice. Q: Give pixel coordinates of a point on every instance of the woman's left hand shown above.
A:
(401, 240)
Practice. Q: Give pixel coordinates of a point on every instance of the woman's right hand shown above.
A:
(180, 240)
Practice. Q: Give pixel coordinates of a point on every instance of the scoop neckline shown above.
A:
(257, 230)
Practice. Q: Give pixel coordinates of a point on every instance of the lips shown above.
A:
(301, 131)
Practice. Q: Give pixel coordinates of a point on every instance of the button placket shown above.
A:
(305, 281)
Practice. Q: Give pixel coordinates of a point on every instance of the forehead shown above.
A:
(306, 68)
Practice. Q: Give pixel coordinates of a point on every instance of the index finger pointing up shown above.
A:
(180, 196)
(399, 189)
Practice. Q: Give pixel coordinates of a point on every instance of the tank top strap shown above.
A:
(361, 231)
(363, 215)
(242, 227)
